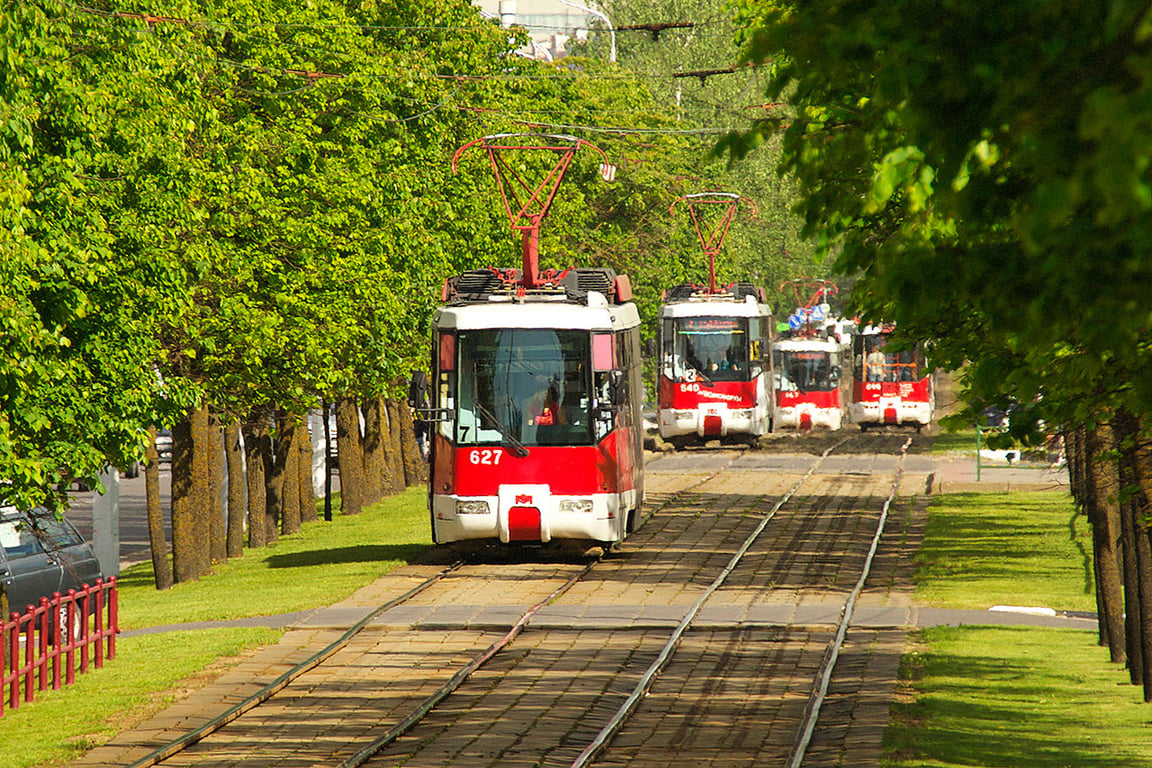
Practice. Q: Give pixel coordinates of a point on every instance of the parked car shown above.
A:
(41, 554)
(164, 444)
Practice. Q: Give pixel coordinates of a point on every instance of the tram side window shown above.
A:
(668, 350)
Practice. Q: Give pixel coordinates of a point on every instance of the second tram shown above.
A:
(537, 393)
(889, 387)
(808, 383)
(715, 373)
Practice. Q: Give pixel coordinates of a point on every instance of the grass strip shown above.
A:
(1026, 549)
(1011, 696)
(149, 673)
(322, 564)
(1014, 697)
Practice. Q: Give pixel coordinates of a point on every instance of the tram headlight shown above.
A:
(742, 413)
(472, 507)
(684, 414)
(576, 505)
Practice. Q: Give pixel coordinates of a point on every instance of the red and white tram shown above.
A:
(807, 383)
(889, 387)
(715, 378)
(807, 362)
(537, 389)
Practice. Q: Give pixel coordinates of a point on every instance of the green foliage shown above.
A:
(984, 171)
(1003, 697)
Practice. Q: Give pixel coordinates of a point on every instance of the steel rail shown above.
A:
(817, 701)
(367, 752)
(259, 697)
(616, 722)
(458, 679)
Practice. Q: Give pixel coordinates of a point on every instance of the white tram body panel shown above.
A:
(715, 377)
(540, 431)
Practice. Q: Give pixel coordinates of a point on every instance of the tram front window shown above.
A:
(530, 386)
(713, 347)
(804, 371)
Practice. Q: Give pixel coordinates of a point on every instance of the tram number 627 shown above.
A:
(487, 457)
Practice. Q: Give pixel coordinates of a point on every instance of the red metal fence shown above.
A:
(41, 646)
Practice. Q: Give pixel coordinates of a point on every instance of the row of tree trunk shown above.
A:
(1110, 471)
(267, 460)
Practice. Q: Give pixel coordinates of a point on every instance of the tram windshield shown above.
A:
(715, 348)
(526, 386)
(804, 370)
(873, 362)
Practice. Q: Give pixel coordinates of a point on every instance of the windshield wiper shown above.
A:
(515, 446)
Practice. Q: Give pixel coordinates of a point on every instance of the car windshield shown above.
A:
(524, 386)
(715, 347)
(28, 534)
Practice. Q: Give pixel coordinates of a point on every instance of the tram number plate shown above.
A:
(487, 456)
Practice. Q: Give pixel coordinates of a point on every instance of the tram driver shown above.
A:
(542, 407)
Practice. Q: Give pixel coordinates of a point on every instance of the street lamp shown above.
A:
(600, 15)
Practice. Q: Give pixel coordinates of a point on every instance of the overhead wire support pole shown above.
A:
(527, 204)
(712, 243)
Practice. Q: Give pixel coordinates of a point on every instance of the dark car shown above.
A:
(41, 554)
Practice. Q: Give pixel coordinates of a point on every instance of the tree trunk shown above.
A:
(233, 452)
(395, 441)
(304, 475)
(351, 458)
(1074, 451)
(1125, 431)
(1104, 512)
(329, 463)
(1142, 463)
(184, 558)
(377, 481)
(415, 468)
(255, 436)
(161, 565)
(216, 520)
(285, 474)
(202, 507)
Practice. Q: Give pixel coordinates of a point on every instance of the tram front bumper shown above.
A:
(707, 422)
(522, 513)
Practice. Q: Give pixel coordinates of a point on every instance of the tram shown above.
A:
(808, 384)
(889, 387)
(715, 378)
(536, 402)
(807, 362)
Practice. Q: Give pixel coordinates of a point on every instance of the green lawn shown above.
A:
(1012, 697)
(322, 564)
(1027, 549)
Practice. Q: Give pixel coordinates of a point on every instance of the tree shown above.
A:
(983, 170)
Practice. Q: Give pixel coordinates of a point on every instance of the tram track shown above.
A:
(576, 660)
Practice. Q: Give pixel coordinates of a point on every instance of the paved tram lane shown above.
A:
(733, 694)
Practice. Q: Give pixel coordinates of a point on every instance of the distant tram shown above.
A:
(807, 361)
(807, 383)
(715, 378)
(889, 388)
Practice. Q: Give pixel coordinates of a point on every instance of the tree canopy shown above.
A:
(984, 170)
